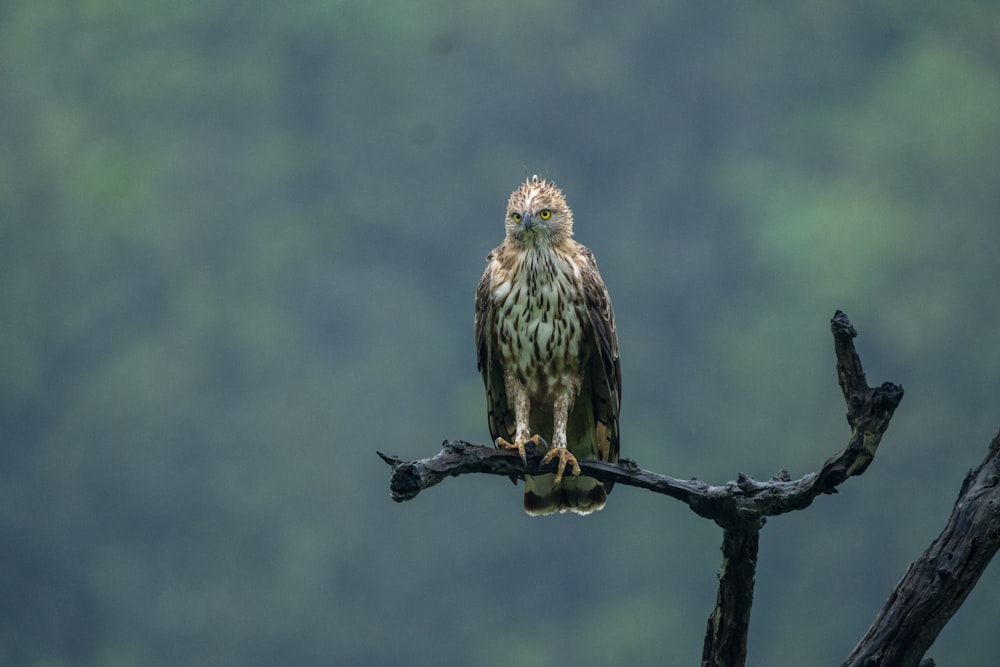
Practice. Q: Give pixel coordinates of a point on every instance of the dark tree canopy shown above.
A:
(238, 245)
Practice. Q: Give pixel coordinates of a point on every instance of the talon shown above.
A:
(565, 457)
(520, 447)
(537, 442)
(502, 443)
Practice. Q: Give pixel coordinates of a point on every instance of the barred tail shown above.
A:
(581, 495)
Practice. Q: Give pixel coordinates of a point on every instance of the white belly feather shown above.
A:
(540, 316)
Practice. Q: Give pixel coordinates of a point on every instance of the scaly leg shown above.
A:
(518, 395)
(560, 410)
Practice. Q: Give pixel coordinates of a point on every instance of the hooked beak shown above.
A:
(527, 222)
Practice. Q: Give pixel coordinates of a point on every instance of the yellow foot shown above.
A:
(564, 456)
(501, 443)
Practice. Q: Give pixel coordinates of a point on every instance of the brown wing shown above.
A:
(605, 367)
(499, 413)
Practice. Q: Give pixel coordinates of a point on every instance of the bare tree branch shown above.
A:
(738, 506)
(729, 623)
(869, 413)
(934, 587)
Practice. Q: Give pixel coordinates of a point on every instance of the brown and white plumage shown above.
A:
(548, 349)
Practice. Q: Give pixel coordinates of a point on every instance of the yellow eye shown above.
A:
(545, 214)
(516, 217)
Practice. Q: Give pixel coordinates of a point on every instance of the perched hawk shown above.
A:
(548, 350)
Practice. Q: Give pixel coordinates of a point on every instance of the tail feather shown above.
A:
(581, 495)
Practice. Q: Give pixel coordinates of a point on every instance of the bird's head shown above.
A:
(538, 213)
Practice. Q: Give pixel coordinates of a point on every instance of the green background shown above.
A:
(238, 248)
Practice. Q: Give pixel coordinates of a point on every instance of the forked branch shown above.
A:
(738, 506)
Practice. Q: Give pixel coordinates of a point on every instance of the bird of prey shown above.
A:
(548, 350)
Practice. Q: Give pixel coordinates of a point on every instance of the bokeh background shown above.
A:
(238, 249)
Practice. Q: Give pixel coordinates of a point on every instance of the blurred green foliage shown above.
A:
(238, 246)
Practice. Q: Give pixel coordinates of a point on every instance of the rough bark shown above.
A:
(936, 584)
(729, 623)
